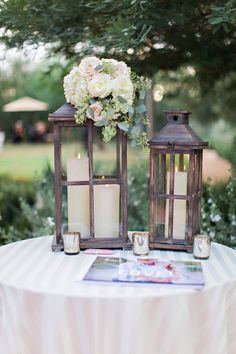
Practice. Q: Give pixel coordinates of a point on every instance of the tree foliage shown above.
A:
(152, 34)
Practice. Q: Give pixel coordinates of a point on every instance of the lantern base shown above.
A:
(111, 243)
(171, 246)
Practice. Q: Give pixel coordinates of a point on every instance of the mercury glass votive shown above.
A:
(201, 246)
(71, 243)
(140, 243)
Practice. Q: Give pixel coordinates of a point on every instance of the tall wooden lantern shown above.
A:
(175, 183)
(97, 205)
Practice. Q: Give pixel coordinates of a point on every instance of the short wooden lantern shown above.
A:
(175, 184)
(116, 236)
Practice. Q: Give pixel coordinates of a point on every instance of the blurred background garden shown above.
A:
(187, 49)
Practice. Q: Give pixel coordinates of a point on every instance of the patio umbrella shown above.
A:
(25, 104)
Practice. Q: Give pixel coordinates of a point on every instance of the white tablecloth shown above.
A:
(44, 310)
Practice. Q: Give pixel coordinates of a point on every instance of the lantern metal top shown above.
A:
(177, 132)
(66, 113)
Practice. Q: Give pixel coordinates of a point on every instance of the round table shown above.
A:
(45, 309)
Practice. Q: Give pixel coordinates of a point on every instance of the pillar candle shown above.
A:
(78, 197)
(106, 210)
(179, 214)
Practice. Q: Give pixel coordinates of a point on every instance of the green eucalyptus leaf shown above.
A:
(110, 113)
(92, 100)
(121, 99)
(100, 123)
(130, 110)
(123, 126)
(142, 94)
(90, 112)
(98, 67)
(133, 143)
(135, 131)
(141, 108)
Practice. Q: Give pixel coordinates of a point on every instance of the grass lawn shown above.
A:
(26, 161)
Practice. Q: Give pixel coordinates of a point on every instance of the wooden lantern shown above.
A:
(64, 118)
(175, 183)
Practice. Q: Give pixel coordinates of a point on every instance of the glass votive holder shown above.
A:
(71, 242)
(201, 246)
(140, 243)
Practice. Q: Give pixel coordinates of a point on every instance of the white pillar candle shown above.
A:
(179, 214)
(106, 210)
(78, 197)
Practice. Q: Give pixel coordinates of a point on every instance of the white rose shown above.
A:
(122, 86)
(100, 85)
(122, 69)
(87, 66)
(97, 109)
(82, 88)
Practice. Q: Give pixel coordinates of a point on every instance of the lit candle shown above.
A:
(106, 210)
(179, 214)
(78, 197)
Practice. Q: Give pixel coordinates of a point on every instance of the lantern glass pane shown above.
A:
(75, 168)
(181, 162)
(106, 211)
(75, 210)
(160, 173)
(162, 212)
(104, 155)
(73, 148)
(179, 219)
(180, 175)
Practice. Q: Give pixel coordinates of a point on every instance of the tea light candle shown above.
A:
(201, 246)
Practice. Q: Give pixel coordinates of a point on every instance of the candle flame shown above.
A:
(184, 167)
(176, 169)
(78, 155)
(103, 177)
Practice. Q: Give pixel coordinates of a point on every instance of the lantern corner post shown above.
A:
(152, 196)
(57, 244)
(124, 193)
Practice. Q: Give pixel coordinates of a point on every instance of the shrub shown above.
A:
(13, 222)
(26, 209)
(219, 212)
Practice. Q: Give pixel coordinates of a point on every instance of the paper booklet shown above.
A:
(144, 270)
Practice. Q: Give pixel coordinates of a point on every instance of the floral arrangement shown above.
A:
(109, 93)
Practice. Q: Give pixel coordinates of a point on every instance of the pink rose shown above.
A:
(97, 109)
(87, 66)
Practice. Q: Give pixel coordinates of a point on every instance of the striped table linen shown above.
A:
(45, 309)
